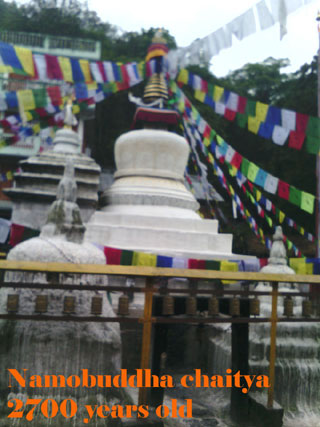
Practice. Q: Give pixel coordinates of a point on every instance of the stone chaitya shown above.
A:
(35, 185)
(51, 347)
(148, 208)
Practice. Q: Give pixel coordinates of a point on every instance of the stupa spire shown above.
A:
(152, 112)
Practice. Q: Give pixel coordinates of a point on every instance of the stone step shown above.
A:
(163, 223)
(158, 239)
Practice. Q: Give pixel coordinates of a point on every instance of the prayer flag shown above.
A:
(26, 99)
(144, 259)
(85, 68)
(313, 144)
(280, 135)
(296, 139)
(261, 111)
(66, 69)
(53, 68)
(271, 184)
(25, 57)
(295, 196)
(253, 124)
(252, 172)
(218, 92)
(283, 190)
(307, 202)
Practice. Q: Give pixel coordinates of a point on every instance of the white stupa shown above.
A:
(148, 208)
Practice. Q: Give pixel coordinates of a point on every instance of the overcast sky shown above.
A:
(188, 20)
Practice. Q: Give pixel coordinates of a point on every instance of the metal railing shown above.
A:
(154, 286)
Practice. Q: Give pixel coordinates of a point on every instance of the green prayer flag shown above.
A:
(40, 97)
(212, 134)
(313, 128)
(219, 139)
(245, 167)
(242, 120)
(251, 108)
(252, 171)
(212, 265)
(126, 257)
(269, 221)
(295, 196)
(307, 202)
(312, 144)
(210, 90)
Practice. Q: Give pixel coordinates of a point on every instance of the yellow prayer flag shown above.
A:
(261, 111)
(75, 109)
(66, 68)
(199, 95)
(25, 57)
(281, 217)
(258, 195)
(233, 171)
(181, 106)
(28, 116)
(183, 76)
(211, 158)
(228, 266)
(206, 142)
(217, 93)
(36, 128)
(143, 259)
(9, 176)
(6, 69)
(253, 124)
(26, 99)
(92, 86)
(85, 67)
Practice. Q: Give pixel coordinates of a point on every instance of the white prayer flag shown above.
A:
(233, 101)
(265, 17)
(271, 184)
(220, 108)
(41, 65)
(288, 119)
(229, 154)
(95, 71)
(280, 135)
(107, 65)
(244, 25)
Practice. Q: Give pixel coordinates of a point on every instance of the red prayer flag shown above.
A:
(204, 86)
(242, 104)
(53, 68)
(113, 255)
(125, 75)
(283, 190)
(55, 95)
(296, 139)
(101, 69)
(16, 234)
(207, 131)
(193, 264)
(229, 114)
(201, 264)
(236, 160)
(301, 122)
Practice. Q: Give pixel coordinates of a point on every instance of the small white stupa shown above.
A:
(57, 347)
